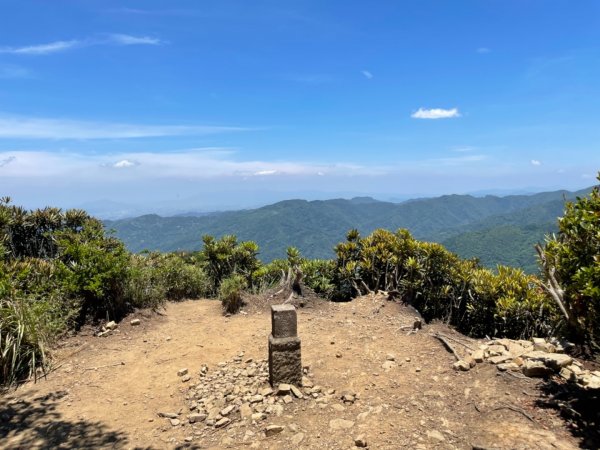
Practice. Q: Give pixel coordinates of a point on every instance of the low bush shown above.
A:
(33, 314)
(230, 293)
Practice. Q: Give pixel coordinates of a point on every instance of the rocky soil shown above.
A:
(192, 378)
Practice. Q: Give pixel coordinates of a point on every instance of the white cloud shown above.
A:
(367, 74)
(124, 163)
(435, 113)
(127, 39)
(265, 172)
(42, 49)
(535, 162)
(61, 46)
(18, 127)
(483, 50)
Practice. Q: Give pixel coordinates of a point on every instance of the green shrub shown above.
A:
(94, 267)
(318, 275)
(225, 257)
(230, 293)
(145, 287)
(570, 263)
(33, 314)
(183, 279)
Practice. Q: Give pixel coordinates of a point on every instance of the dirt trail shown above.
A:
(107, 392)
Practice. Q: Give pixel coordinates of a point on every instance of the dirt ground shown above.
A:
(106, 392)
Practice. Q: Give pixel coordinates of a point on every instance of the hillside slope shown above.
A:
(316, 226)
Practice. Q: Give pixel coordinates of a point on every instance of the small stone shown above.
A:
(348, 398)
(417, 324)
(507, 366)
(226, 411)
(223, 422)
(258, 416)
(287, 399)
(390, 357)
(407, 359)
(167, 415)
(337, 407)
(175, 422)
(266, 391)
(306, 382)
(338, 355)
(500, 359)
(418, 369)
(112, 325)
(272, 430)
(245, 411)
(297, 439)
(195, 418)
(435, 434)
(283, 389)
(388, 365)
(340, 424)
(135, 322)
(297, 393)
(461, 366)
(360, 441)
(182, 372)
(186, 378)
(477, 356)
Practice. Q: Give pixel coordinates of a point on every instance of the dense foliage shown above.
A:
(442, 286)
(571, 263)
(59, 269)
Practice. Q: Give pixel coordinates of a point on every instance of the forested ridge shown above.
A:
(470, 226)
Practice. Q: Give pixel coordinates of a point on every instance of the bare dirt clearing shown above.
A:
(107, 392)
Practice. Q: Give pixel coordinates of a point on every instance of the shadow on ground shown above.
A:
(38, 424)
(579, 407)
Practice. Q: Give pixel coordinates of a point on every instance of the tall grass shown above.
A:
(24, 339)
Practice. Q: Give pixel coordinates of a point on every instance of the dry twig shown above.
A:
(448, 346)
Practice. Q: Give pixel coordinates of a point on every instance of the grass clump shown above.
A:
(230, 293)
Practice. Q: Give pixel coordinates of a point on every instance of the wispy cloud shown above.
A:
(127, 39)
(14, 71)
(535, 162)
(18, 127)
(435, 113)
(62, 46)
(483, 50)
(368, 75)
(42, 49)
(183, 164)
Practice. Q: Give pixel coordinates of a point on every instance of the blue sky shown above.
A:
(200, 105)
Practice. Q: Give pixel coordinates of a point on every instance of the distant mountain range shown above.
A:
(497, 230)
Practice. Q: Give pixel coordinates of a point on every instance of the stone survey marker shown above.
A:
(285, 362)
